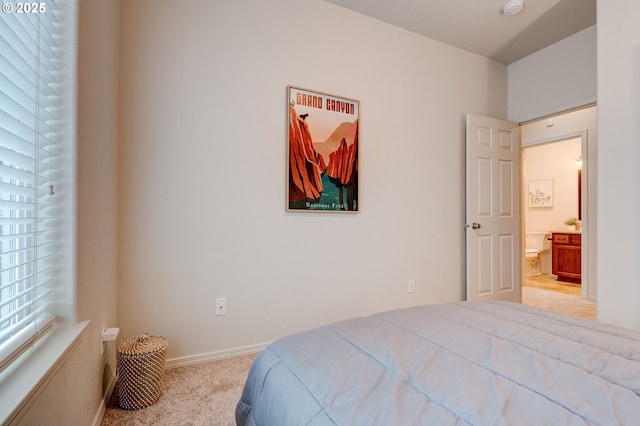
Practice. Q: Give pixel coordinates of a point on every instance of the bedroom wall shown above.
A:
(202, 170)
(618, 154)
(558, 78)
(98, 189)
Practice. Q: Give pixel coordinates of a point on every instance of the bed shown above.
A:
(477, 363)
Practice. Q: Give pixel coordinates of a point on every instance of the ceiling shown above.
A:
(480, 26)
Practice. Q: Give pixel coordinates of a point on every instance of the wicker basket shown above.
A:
(141, 370)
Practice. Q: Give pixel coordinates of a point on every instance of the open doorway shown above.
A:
(551, 173)
(555, 189)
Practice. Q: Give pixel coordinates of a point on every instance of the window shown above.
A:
(36, 170)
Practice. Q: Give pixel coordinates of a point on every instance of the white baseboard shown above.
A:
(97, 420)
(212, 356)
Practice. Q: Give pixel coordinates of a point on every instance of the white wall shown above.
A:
(555, 161)
(557, 78)
(202, 169)
(75, 394)
(618, 171)
(98, 184)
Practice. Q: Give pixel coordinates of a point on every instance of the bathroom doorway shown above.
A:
(551, 177)
(554, 154)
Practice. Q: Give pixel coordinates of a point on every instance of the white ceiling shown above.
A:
(480, 26)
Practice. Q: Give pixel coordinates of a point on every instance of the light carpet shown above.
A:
(546, 292)
(206, 394)
(193, 395)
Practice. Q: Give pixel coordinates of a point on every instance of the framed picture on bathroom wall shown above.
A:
(541, 193)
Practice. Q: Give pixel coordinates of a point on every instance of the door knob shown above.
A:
(475, 225)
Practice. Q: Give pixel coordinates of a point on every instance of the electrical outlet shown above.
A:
(221, 306)
(412, 286)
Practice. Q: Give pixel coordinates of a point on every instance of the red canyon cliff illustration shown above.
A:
(337, 157)
(343, 170)
(305, 164)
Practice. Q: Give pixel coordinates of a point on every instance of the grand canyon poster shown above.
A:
(323, 152)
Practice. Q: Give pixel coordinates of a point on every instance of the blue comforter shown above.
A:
(478, 363)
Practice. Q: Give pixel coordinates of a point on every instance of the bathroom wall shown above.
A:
(555, 161)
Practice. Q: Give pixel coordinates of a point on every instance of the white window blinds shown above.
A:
(34, 133)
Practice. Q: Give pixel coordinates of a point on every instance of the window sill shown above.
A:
(20, 383)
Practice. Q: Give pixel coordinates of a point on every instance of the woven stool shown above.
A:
(141, 370)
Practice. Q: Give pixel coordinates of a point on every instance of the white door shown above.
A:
(494, 259)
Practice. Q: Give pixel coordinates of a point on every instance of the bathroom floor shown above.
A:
(545, 291)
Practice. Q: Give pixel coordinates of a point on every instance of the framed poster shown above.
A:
(541, 193)
(322, 147)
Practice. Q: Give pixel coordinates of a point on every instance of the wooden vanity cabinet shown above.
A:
(566, 256)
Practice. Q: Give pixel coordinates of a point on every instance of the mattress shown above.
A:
(461, 363)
